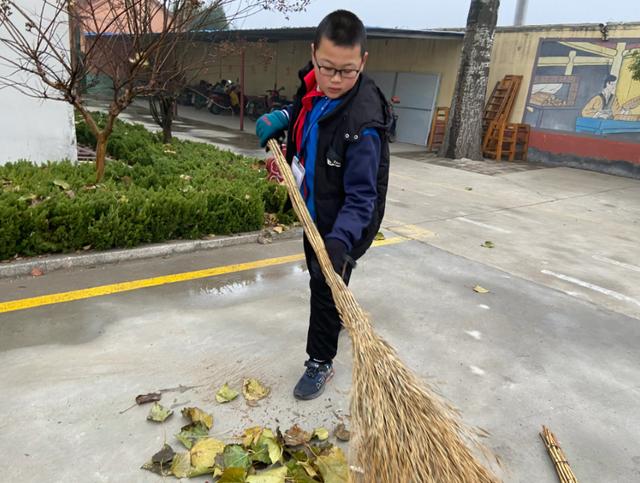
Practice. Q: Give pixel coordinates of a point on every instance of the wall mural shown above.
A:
(585, 86)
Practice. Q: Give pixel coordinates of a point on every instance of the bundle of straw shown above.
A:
(402, 432)
(565, 474)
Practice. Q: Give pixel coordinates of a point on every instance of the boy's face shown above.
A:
(327, 57)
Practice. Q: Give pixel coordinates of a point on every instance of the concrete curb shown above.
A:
(57, 262)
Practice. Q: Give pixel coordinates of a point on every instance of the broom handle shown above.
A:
(334, 281)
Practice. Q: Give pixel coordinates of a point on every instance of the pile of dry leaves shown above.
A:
(260, 455)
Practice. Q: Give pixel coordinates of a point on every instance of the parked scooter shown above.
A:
(220, 97)
(195, 95)
(259, 105)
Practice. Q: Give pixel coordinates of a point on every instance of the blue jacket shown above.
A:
(346, 163)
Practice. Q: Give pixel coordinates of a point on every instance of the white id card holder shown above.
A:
(298, 171)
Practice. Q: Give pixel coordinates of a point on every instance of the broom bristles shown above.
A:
(402, 432)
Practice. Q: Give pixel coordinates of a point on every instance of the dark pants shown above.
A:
(324, 322)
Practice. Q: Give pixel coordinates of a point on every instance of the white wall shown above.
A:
(33, 129)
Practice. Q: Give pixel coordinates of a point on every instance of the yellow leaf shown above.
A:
(181, 465)
(159, 413)
(321, 434)
(275, 451)
(308, 468)
(196, 414)
(480, 289)
(226, 394)
(333, 466)
(251, 435)
(276, 475)
(204, 452)
(253, 390)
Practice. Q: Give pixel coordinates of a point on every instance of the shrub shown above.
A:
(151, 192)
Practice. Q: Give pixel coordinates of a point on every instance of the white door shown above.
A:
(417, 94)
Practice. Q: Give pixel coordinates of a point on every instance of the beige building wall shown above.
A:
(431, 56)
(515, 51)
(277, 63)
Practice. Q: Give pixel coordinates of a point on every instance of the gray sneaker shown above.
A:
(312, 383)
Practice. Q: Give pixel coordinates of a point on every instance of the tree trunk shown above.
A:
(168, 107)
(101, 155)
(464, 131)
(162, 109)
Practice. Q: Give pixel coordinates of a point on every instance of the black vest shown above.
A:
(364, 106)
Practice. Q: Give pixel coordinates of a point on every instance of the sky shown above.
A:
(433, 14)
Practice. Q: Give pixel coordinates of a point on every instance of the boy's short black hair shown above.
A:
(343, 28)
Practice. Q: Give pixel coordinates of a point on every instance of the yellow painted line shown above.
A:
(85, 293)
(414, 232)
(389, 241)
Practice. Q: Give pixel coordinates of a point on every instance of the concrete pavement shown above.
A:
(554, 342)
(519, 357)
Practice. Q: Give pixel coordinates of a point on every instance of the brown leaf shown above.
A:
(147, 398)
(295, 436)
(342, 433)
(37, 272)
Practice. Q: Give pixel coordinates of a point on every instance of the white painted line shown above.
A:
(476, 334)
(483, 225)
(477, 371)
(597, 288)
(600, 258)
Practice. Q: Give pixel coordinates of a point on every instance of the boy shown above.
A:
(338, 148)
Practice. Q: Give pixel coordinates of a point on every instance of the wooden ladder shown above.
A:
(501, 101)
(438, 128)
(499, 136)
(510, 140)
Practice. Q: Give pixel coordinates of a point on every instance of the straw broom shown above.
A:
(402, 432)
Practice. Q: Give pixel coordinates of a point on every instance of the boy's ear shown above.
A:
(364, 60)
(313, 49)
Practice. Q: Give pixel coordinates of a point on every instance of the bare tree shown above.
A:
(191, 62)
(138, 44)
(464, 130)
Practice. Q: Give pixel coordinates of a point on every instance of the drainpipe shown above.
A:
(521, 11)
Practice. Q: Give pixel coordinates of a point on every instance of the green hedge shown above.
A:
(154, 192)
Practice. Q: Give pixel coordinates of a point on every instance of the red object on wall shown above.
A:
(584, 146)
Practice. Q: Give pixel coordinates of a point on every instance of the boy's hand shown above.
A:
(336, 250)
(270, 126)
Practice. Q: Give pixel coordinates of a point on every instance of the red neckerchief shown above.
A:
(307, 106)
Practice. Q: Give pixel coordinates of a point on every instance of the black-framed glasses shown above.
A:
(331, 71)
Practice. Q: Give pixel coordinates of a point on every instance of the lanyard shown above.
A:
(313, 120)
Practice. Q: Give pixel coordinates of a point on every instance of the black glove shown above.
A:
(337, 251)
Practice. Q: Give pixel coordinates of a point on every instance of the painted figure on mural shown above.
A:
(585, 86)
(605, 105)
